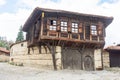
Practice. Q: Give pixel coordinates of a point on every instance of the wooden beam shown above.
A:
(84, 32)
(41, 30)
(52, 50)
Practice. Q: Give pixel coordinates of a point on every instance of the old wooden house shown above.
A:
(75, 40)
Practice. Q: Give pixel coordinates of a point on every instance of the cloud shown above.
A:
(2, 2)
(108, 1)
(12, 22)
(85, 6)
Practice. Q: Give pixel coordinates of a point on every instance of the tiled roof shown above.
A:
(113, 48)
(17, 43)
(37, 11)
(4, 50)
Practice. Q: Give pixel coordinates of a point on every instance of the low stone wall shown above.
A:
(4, 58)
(35, 56)
(41, 60)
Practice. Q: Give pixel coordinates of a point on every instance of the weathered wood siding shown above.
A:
(74, 58)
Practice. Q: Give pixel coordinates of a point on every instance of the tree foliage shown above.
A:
(5, 44)
(20, 36)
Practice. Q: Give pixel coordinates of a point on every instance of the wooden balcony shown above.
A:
(72, 37)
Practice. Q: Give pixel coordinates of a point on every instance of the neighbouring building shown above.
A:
(113, 53)
(65, 40)
(4, 55)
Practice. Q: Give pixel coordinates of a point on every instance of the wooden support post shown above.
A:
(41, 30)
(84, 32)
(90, 37)
(53, 57)
(52, 50)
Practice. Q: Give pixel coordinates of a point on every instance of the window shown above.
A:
(64, 26)
(75, 27)
(53, 24)
(93, 30)
(53, 28)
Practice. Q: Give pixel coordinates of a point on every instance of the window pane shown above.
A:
(54, 22)
(52, 27)
(61, 23)
(93, 27)
(75, 27)
(93, 30)
(72, 24)
(63, 26)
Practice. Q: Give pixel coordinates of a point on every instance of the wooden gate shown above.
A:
(71, 58)
(88, 63)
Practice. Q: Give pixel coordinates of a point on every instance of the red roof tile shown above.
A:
(4, 50)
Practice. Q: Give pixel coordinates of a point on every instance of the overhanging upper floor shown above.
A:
(58, 25)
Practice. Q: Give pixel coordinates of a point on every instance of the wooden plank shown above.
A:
(41, 32)
(84, 32)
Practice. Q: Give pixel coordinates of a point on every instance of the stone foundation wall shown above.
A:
(98, 59)
(43, 61)
(66, 58)
(38, 56)
(106, 60)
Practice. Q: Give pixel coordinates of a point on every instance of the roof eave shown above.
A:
(36, 12)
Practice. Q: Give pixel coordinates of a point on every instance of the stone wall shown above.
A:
(98, 59)
(37, 60)
(37, 57)
(4, 57)
(66, 58)
(106, 60)
(19, 49)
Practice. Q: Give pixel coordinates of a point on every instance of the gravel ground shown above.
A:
(10, 72)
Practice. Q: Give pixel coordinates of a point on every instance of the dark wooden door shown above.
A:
(114, 59)
(71, 59)
(88, 63)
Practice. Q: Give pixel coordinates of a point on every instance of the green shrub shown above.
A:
(12, 63)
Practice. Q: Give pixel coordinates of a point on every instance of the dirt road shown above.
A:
(10, 72)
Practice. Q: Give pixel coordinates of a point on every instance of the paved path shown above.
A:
(10, 72)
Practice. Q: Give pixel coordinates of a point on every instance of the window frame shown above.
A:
(64, 26)
(74, 27)
(53, 25)
(93, 30)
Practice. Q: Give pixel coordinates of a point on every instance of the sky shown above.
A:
(14, 13)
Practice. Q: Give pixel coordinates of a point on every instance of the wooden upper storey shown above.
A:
(48, 24)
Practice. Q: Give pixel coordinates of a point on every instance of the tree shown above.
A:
(20, 36)
(2, 44)
(5, 44)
